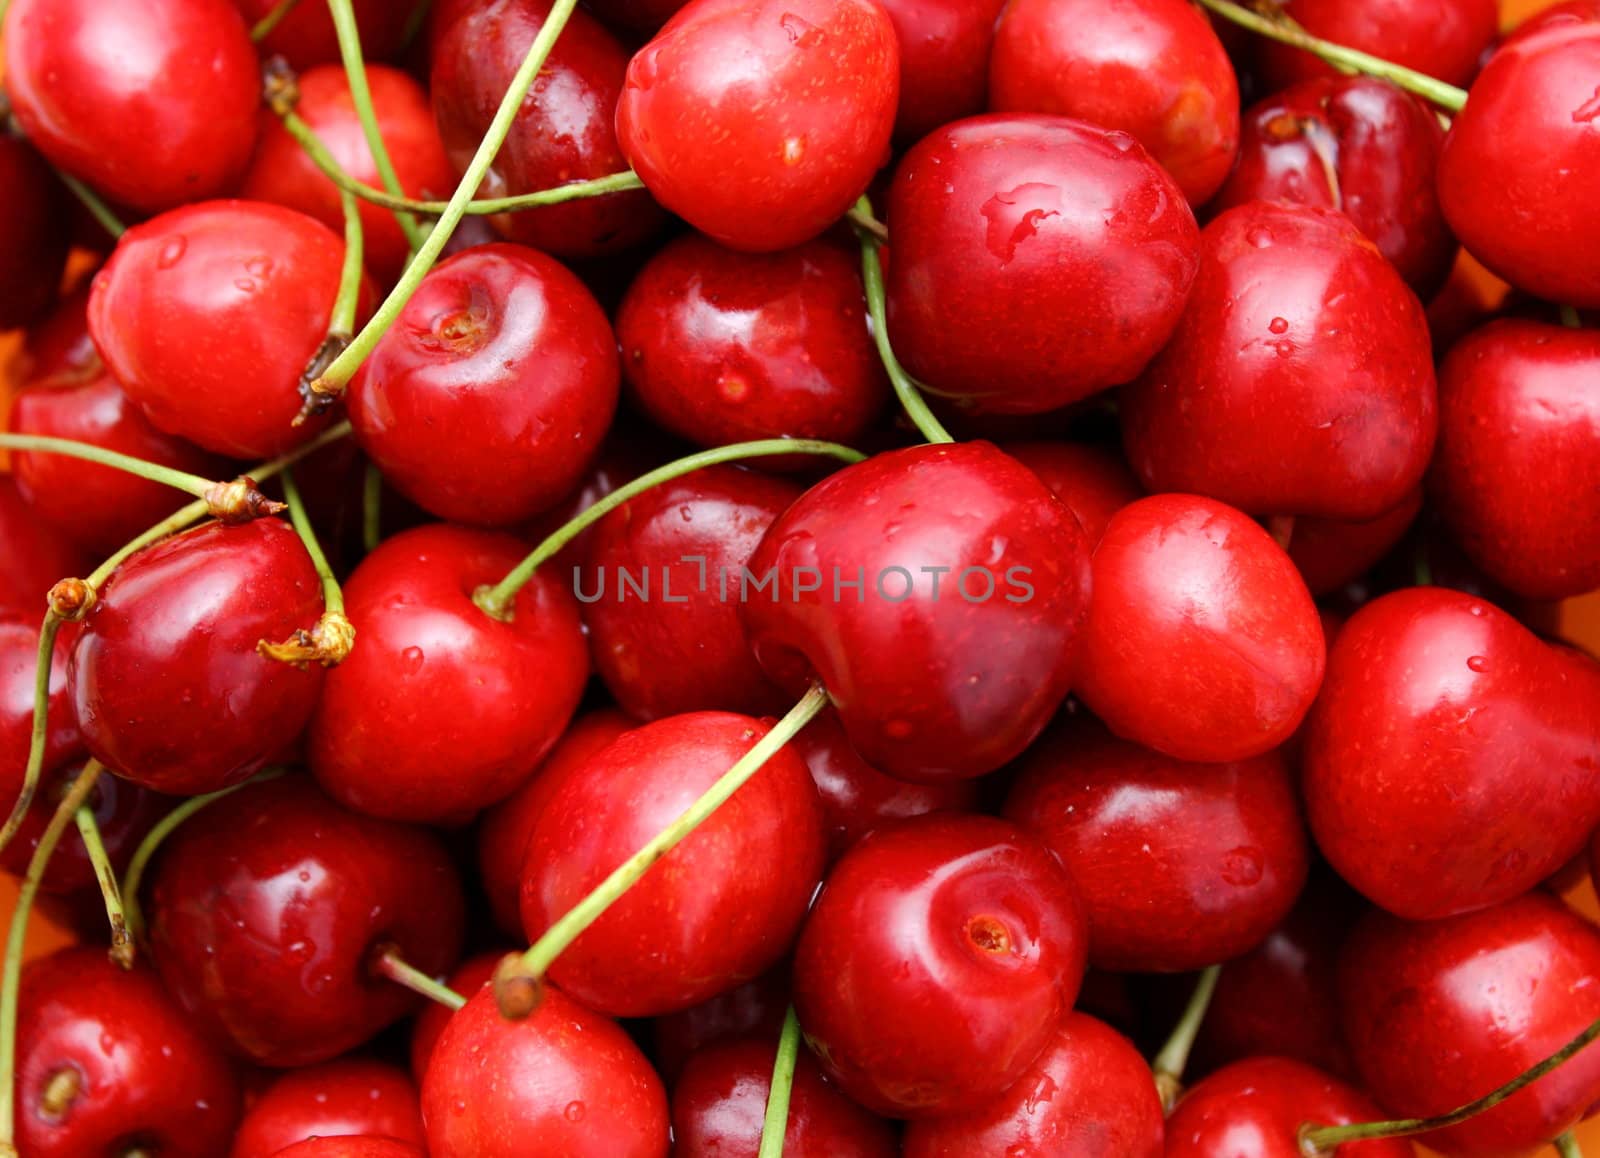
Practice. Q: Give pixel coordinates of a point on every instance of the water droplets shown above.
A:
(1279, 325)
(172, 251)
(1478, 663)
(794, 150)
(1243, 866)
(574, 1112)
(411, 660)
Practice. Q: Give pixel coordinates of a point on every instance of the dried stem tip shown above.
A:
(71, 599)
(317, 392)
(239, 501)
(327, 643)
(516, 990)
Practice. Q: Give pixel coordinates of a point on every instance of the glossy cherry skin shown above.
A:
(564, 1081)
(565, 130)
(1092, 482)
(165, 680)
(19, 654)
(719, 909)
(428, 1025)
(720, 346)
(305, 36)
(146, 1075)
(1330, 553)
(152, 102)
(1516, 427)
(1255, 1109)
(33, 234)
(1358, 145)
(281, 172)
(352, 1146)
(1440, 38)
(441, 709)
(1566, 12)
(1179, 865)
(754, 1009)
(1449, 762)
(1017, 238)
(266, 908)
(1438, 1013)
(937, 963)
(1089, 1093)
(123, 812)
(945, 47)
(1152, 68)
(1300, 381)
(34, 557)
(1202, 642)
(502, 356)
(937, 672)
(337, 1098)
(767, 155)
(208, 315)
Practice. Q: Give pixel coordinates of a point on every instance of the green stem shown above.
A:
(388, 963)
(1174, 1056)
(776, 1123)
(110, 891)
(1567, 1146)
(97, 208)
(342, 322)
(496, 601)
(1570, 318)
(263, 27)
(41, 444)
(329, 641)
(371, 508)
(332, 596)
(41, 727)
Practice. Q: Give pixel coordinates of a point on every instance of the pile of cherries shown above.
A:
(660, 658)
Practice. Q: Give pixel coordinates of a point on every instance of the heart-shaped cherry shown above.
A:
(337, 1098)
(1439, 38)
(33, 234)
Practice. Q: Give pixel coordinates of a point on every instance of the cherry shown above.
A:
(363, 1146)
(33, 234)
(108, 1064)
(945, 47)
(337, 1098)
(305, 36)
(754, 1009)
(1017, 238)
(1439, 38)
(1442, 1012)
(767, 155)
(123, 814)
(1092, 482)
(266, 909)
(59, 344)
(114, 95)
(563, 1081)
(1525, 140)
(720, 346)
(1358, 145)
(501, 356)
(36, 555)
(933, 680)
(427, 1027)
(565, 130)
(937, 963)
(19, 652)
(1449, 761)
(1201, 640)
(719, 909)
(1152, 68)
(284, 174)
(441, 709)
(1089, 1092)
(1330, 553)
(1567, 12)
(208, 315)
(1301, 334)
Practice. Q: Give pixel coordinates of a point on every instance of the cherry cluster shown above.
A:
(564, 633)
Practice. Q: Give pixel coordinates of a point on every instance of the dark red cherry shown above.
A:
(1088, 1093)
(107, 1063)
(1440, 38)
(1152, 68)
(503, 357)
(1300, 381)
(1358, 145)
(123, 812)
(1092, 482)
(267, 908)
(720, 346)
(937, 963)
(754, 1009)
(1202, 642)
(1490, 994)
(1017, 239)
(938, 592)
(34, 556)
(337, 1098)
(352, 1146)
(208, 315)
(19, 653)
(441, 709)
(59, 345)
(1449, 762)
(631, 17)
(719, 909)
(562, 1081)
(1330, 553)
(766, 155)
(305, 35)
(33, 234)
(167, 685)
(427, 1027)
(944, 61)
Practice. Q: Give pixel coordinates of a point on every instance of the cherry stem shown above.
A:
(496, 601)
(41, 728)
(263, 27)
(11, 968)
(776, 1123)
(329, 641)
(518, 980)
(1286, 32)
(342, 322)
(121, 943)
(97, 208)
(1421, 565)
(906, 388)
(1281, 528)
(1570, 318)
(1169, 1064)
(371, 508)
(388, 963)
(182, 480)
(1567, 1146)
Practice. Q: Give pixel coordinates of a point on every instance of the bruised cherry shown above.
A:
(350, 1096)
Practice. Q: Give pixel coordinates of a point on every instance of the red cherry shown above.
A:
(1301, 334)
(721, 347)
(305, 36)
(958, 644)
(1092, 482)
(428, 1026)
(59, 345)
(1201, 641)
(36, 555)
(1017, 238)
(719, 909)
(944, 61)
(1440, 38)
(123, 812)
(208, 315)
(754, 1009)
(562, 1081)
(1567, 12)
(349, 1096)
(19, 654)
(1449, 763)
(266, 908)
(363, 1146)
(1152, 68)
(1089, 1092)
(937, 963)
(107, 1062)
(1488, 995)
(33, 234)
(565, 130)
(1330, 553)
(769, 154)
